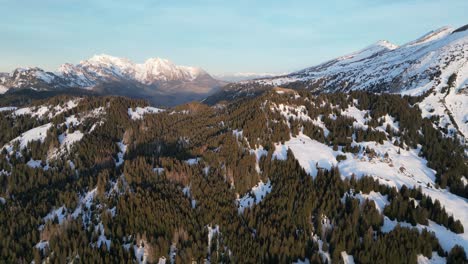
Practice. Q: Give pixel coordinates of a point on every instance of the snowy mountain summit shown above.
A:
(412, 68)
(155, 79)
(105, 68)
(437, 62)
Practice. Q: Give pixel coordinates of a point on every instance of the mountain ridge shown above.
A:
(437, 61)
(156, 79)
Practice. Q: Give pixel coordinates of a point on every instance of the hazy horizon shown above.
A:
(222, 38)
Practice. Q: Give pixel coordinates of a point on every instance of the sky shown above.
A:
(219, 36)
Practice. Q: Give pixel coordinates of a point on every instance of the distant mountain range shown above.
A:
(435, 61)
(158, 80)
(243, 76)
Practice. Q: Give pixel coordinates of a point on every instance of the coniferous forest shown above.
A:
(284, 177)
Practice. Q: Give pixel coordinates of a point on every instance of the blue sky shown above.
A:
(220, 36)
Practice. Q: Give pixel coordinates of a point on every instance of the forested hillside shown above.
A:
(285, 177)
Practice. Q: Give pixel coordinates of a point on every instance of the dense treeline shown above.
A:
(185, 168)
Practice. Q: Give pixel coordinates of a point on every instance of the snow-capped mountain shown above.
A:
(153, 79)
(243, 76)
(412, 68)
(437, 61)
(105, 68)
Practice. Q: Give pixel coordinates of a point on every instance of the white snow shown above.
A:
(357, 114)
(3, 89)
(8, 108)
(35, 134)
(139, 112)
(186, 191)
(447, 238)
(389, 121)
(325, 255)
(212, 231)
(37, 164)
(395, 170)
(255, 196)
(238, 133)
(68, 139)
(407, 169)
(380, 200)
(141, 253)
(259, 153)
(60, 213)
(158, 170)
(41, 111)
(46, 77)
(300, 261)
(294, 112)
(311, 154)
(347, 259)
(42, 245)
(435, 259)
(173, 253)
(72, 121)
(102, 239)
(383, 62)
(318, 122)
(193, 161)
(457, 103)
(85, 202)
(120, 155)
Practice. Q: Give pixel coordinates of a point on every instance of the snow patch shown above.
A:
(8, 108)
(139, 112)
(35, 134)
(120, 155)
(255, 196)
(311, 154)
(435, 259)
(447, 238)
(380, 200)
(347, 259)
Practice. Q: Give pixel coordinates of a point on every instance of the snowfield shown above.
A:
(139, 112)
(120, 155)
(391, 166)
(68, 139)
(255, 196)
(8, 108)
(310, 153)
(380, 200)
(447, 238)
(435, 259)
(49, 111)
(347, 259)
(35, 134)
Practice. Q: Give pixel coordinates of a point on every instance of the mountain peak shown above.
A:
(432, 35)
(108, 60)
(369, 51)
(384, 44)
(158, 61)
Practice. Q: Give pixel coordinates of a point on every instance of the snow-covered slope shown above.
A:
(437, 61)
(105, 68)
(411, 68)
(389, 164)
